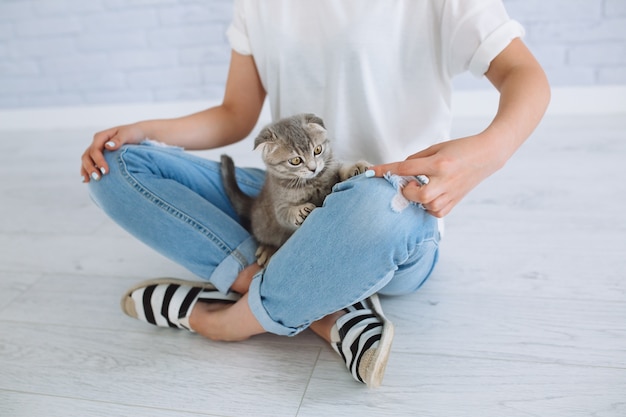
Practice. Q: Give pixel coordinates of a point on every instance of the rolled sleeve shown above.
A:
(474, 33)
(493, 45)
(237, 33)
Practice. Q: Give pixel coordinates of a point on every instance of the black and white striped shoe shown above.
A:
(167, 302)
(363, 337)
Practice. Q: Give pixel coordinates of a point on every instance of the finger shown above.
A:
(84, 175)
(440, 210)
(403, 168)
(417, 193)
(112, 143)
(99, 162)
(427, 195)
(438, 206)
(86, 167)
(435, 203)
(92, 174)
(108, 139)
(424, 153)
(94, 164)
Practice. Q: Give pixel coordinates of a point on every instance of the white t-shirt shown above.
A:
(378, 72)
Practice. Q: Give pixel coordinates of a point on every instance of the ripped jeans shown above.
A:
(352, 247)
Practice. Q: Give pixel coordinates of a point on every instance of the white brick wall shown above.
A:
(77, 52)
(578, 42)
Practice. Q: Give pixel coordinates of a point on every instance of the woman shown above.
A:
(379, 74)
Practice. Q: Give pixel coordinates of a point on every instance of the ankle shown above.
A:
(242, 283)
(324, 326)
(225, 322)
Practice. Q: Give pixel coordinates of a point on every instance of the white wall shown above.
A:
(578, 42)
(77, 55)
(77, 52)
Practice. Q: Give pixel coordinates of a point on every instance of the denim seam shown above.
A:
(434, 242)
(164, 149)
(177, 213)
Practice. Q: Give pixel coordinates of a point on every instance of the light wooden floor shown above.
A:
(525, 316)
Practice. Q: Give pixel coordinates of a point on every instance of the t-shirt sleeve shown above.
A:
(474, 32)
(237, 33)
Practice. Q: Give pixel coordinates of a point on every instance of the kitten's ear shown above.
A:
(266, 135)
(312, 118)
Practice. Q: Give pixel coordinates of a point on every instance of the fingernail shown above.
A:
(110, 144)
(422, 179)
(95, 176)
(370, 173)
(104, 171)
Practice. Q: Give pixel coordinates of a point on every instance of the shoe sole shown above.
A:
(375, 370)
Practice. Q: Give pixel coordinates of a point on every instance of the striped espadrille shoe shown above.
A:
(363, 337)
(167, 302)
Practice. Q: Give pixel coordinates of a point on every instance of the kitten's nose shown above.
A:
(312, 167)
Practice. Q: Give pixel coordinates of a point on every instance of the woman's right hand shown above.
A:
(94, 165)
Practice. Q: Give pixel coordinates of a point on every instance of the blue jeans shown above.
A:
(352, 247)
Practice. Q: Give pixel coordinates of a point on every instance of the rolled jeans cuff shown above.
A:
(226, 272)
(256, 306)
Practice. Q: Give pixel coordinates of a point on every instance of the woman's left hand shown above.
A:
(457, 166)
(453, 168)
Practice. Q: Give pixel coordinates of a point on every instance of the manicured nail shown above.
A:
(110, 144)
(104, 171)
(95, 176)
(422, 179)
(370, 173)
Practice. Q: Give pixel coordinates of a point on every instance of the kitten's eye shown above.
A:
(317, 150)
(295, 161)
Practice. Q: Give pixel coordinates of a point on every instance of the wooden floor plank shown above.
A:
(524, 316)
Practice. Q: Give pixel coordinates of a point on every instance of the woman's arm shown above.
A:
(524, 98)
(218, 126)
(455, 167)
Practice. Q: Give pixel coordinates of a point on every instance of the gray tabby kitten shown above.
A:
(301, 172)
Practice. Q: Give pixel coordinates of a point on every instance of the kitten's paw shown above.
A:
(303, 212)
(349, 171)
(263, 254)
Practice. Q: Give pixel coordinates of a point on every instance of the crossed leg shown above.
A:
(235, 322)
